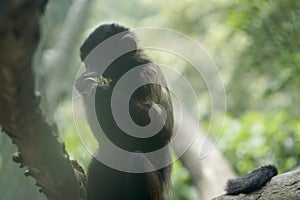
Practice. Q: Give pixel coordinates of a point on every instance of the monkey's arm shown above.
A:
(252, 181)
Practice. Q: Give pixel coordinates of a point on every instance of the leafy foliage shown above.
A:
(182, 187)
(271, 56)
(259, 138)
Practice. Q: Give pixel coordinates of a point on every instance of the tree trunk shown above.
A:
(20, 115)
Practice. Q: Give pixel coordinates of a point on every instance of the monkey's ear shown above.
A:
(128, 42)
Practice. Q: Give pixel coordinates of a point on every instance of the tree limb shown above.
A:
(284, 186)
(20, 115)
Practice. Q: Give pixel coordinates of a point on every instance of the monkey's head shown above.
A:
(104, 32)
(103, 84)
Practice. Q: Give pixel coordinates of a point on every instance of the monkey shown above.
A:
(104, 182)
(251, 182)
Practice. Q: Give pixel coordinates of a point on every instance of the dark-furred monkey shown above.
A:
(104, 182)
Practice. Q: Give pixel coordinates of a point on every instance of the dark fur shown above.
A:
(252, 181)
(110, 184)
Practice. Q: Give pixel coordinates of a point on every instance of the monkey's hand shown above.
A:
(86, 82)
(89, 81)
(252, 181)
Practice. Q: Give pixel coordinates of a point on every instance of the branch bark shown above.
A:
(284, 186)
(20, 115)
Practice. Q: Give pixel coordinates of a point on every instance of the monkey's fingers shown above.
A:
(87, 82)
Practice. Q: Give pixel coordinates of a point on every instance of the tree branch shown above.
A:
(20, 115)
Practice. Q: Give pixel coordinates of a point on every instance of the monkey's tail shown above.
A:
(251, 182)
(154, 185)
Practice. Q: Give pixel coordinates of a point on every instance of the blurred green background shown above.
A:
(255, 44)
